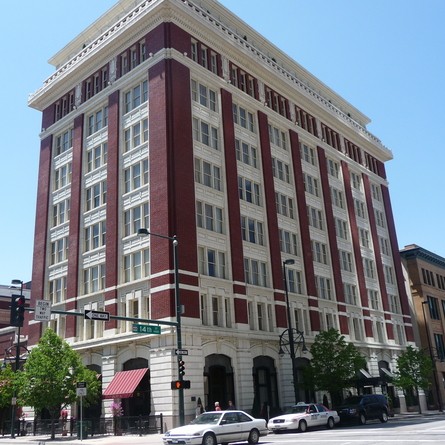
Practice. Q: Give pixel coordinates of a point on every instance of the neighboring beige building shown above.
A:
(426, 275)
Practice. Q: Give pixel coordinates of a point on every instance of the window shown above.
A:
(215, 311)
(57, 290)
(136, 135)
(374, 299)
(97, 121)
(243, 118)
(59, 250)
(319, 252)
(255, 272)
(369, 267)
(249, 191)
(96, 195)
(345, 261)
(315, 217)
(207, 174)
(389, 274)
(376, 192)
(136, 176)
(212, 262)
(434, 308)
(281, 170)
(246, 153)
(136, 218)
(333, 168)
(384, 245)
(288, 242)
(294, 281)
(62, 176)
(356, 181)
(203, 95)
(252, 230)
(285, 205)
(394, 304)
(94, 236)
(205, 133)
(94, 279)
(399, 334)
(277, 137)
(209, 217)
(359, 207)
(337, 198)
(364, 237)
(428, 277)
(324, 287)
(61, 212)
(379, 331)
(350, 292)
(136, 265)
(97, 157)
(204, 57)
(136, 96)
(64, 142)
(341, 228)
(307, 154)
(440, 346)
(311, 184)
(194, 50)
(357, 328)
(380, 218)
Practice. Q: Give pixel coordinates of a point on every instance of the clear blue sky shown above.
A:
(386, 57)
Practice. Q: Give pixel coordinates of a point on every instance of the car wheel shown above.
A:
(209, 439)
(384, 417)
(330, 423)
(362, 419)
(254, 437)
(302, 426)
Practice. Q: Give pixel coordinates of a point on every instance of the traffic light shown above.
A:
(17, 310)
(180, 384)
(181, 367)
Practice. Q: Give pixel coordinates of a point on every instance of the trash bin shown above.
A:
(86, 428)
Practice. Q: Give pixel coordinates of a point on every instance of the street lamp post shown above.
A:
(17, 365)
(433, 359)
(290, 330)
(174, 240)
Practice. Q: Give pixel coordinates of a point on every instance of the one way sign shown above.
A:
(97, 315)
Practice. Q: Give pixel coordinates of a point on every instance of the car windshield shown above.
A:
(207, 419)
(296, 409)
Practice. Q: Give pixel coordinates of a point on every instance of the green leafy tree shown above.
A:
(334, 364)
(7, 381)
(50, 376)
(414, 369)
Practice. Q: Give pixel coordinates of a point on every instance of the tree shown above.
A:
(334, 364)
(7, 381)
(50, 376)
(414, 368)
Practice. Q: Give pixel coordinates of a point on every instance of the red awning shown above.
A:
(124, 384)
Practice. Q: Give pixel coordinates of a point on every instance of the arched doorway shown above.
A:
(218, 381)
(304, 393)
(265, 402)
(139, 404)
(94, 411)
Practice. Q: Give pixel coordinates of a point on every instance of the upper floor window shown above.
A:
(337, 198)
(324, 287)
(97, 157)
(288, 242)
(136, 96)
(434, 308)
(333, 168)
(62, 176)
(136, 135)
(356, 181)
(376, 192)
(95, 236)
(204, 95)
(57, 290)
(59, 250)
(384, 245)
(311, 184)
(345, 260)
(249, 191)
(255, 272)
(294, 281)
(319, 252)
(285, 205)
(281, 170)
(278, 137)
(341, 228)
(243, 118)
(315, 217)
(369, 267)
(359, 207)
(374, 300)
(64, 141)
(97, 120)
(61, 212)
(94, 279)
(136, 265)
(205, 133)
(379, 218)
(209, 217)
(207, 174)
(252, 230)
(389, 274)
(136, 218)
(350, 293)
(136, 176)
(246, 153)
(212, 262)
(394, 303)
(364, 237)
(96, 195)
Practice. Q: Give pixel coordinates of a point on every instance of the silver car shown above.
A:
(215, 427)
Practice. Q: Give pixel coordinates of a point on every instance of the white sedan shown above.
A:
(303, 416)
(215, 427)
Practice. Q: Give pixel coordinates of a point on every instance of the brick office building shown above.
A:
(178, 117)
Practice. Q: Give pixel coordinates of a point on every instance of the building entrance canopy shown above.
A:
(124, 384)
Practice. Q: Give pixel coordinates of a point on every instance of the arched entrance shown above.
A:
(265, 402)
(139, 404)
(218, 381)
(304, 394)
(94, 411)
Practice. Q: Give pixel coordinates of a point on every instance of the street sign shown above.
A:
(97, 315)
(181, 351)
(42, 310)
(81, 389)
(146, 329)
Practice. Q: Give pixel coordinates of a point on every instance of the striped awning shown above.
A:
(124, 384)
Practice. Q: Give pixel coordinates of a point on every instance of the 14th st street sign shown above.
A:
(146, 329)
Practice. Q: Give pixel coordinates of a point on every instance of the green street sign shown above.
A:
(146, 329)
